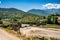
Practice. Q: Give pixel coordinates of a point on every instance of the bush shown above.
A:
(54, 39)
(5, 25)
(35, 38)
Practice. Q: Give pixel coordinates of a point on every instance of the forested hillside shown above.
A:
(13, 13)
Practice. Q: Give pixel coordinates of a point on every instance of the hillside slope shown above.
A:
(13, 13)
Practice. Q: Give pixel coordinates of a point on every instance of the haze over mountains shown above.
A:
(44, 12)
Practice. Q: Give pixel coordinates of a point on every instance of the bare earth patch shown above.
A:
(6, 36)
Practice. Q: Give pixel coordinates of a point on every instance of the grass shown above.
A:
(50, 26)
(54, 39)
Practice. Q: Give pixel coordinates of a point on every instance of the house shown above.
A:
(58, 20)
(41, 21)
(25, 25)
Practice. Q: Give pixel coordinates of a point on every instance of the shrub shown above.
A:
(5, 25)
(35, 38)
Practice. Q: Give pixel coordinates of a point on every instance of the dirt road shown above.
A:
(6, 36)
(47, 32)
(29, 31)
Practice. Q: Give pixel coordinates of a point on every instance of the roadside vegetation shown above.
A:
(50, 26)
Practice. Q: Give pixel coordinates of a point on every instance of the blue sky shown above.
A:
(26, 5)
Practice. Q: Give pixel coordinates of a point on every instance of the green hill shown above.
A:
(13, 13)
(29, 18)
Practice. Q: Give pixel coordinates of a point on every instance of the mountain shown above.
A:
(44, 12)
(37, 12)
(53, 11)
(13, 13)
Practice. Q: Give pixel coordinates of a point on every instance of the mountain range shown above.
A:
(44, 12)
(13, 13)
(16, 13)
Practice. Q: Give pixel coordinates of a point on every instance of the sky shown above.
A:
(26, 5)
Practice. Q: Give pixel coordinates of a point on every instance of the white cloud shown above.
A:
(0, 2)
(51, 6)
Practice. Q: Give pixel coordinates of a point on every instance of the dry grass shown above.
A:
(50, 26)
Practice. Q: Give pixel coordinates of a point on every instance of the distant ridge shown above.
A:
(44, 12)
(13, 13)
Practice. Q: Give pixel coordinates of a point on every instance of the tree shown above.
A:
(44, 17)
(0, 18)
(56, 21)
(14, 19)
(52, 19)
(49, 20)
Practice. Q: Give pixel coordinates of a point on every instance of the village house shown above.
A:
(42, 21)
(58, 20)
